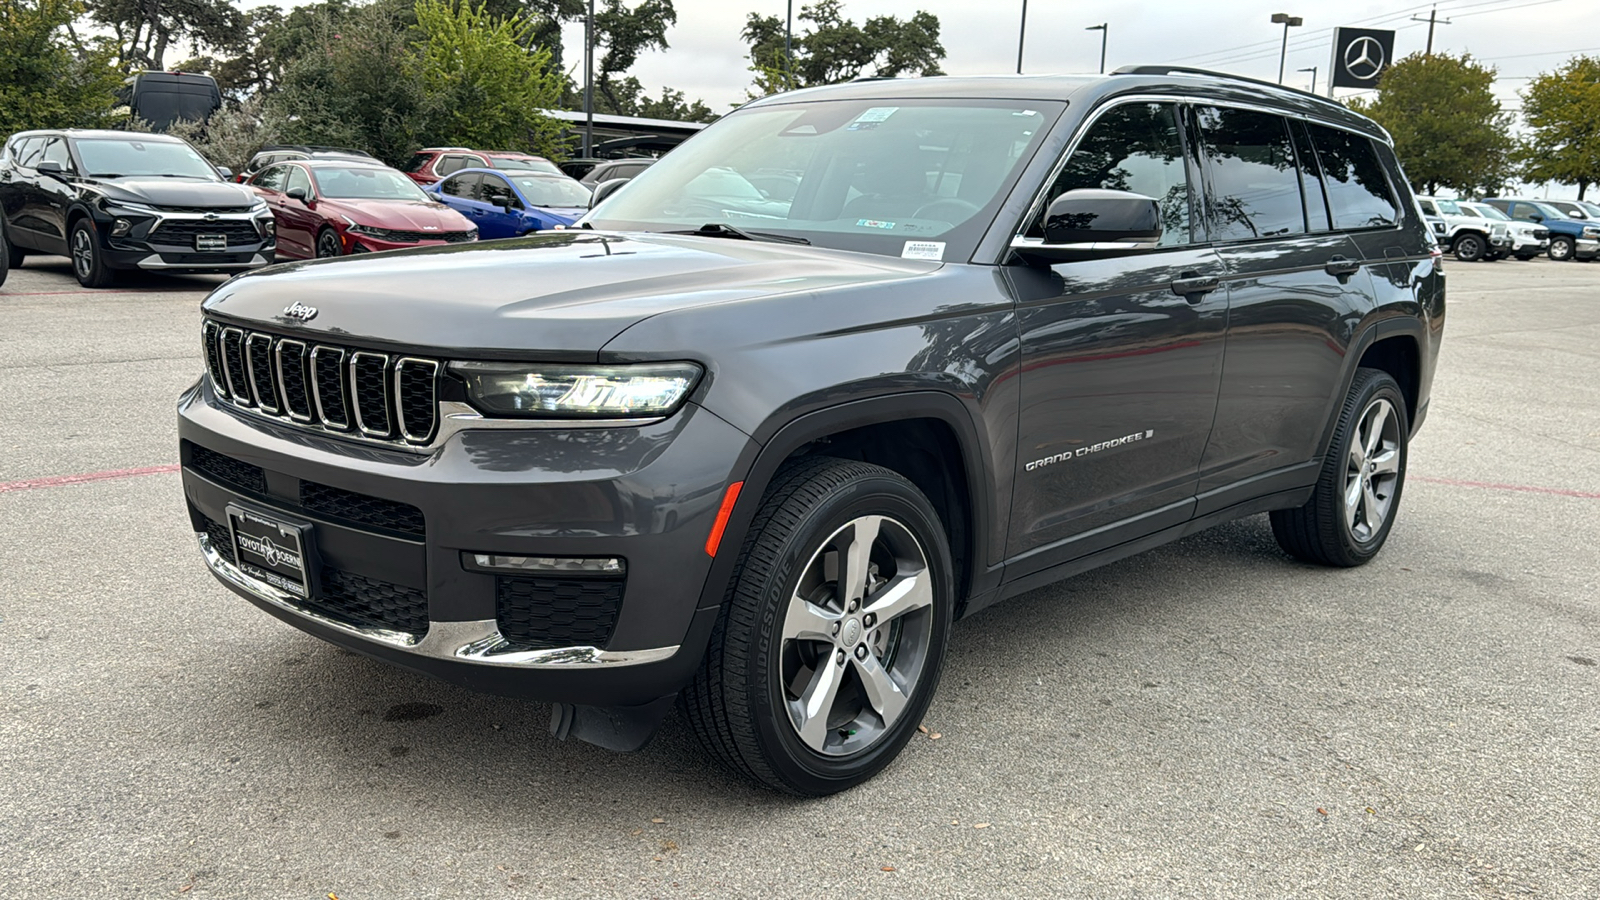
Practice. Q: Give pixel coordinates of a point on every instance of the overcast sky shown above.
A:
(1520, 37)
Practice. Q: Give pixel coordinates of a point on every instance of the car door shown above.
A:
(495, 195)
(1296, 288)
(1120, 356)
(18, 194)
(269, 184)
(461, 194)
(51, 195)
(304, 222)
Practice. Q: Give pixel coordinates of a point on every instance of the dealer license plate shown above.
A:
(210, 242)
(270, 549)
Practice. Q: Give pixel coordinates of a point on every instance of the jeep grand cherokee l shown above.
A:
(1006, 330)
(116, 200)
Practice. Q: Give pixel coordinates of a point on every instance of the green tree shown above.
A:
(1448, 128)
(483, 86)
(49, 79)
(1562, 109)
(834, 49)
(145, 29)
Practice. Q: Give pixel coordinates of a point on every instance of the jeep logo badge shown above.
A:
(300, 312)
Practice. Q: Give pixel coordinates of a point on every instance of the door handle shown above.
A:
(1342, 268)
(1192, 286)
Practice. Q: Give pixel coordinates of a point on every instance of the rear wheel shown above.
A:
(829, 646)
(1561, 248)
(1468, 247)
(88, 263)
(328, 244)
(1357, 496)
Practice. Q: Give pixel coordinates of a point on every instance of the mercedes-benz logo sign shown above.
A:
(300, 312)
(1364, 58)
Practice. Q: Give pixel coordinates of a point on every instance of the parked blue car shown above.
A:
(1569, 238)
(510, 204)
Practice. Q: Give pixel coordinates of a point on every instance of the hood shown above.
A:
(398, 215)
(174, 191)
(556, 296)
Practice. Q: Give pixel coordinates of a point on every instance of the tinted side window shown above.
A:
(416, 162)
(448, 164)
(298, 179)
(495, 191)
(55, 150)
(272, 178)
(1133, 147)
(28, 154)
(1255, 183)
(1317, 216)
(464, 186)
(1358, 192)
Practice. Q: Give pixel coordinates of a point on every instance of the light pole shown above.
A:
(588, 83)
(788, 47)
(1313, 71)
(1288, 22)
(1022, 35)
(1104, 30)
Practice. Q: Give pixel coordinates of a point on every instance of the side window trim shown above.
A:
(1306, 158)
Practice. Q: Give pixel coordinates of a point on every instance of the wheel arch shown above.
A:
(945, 458)
(1393, 345)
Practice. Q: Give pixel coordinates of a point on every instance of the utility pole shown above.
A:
(1105, 30)
(1022, 35)
(1313, 71)
(788, 47)
(1432, 19)
(588, 83)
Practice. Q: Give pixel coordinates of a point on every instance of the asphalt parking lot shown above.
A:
(1210, 719)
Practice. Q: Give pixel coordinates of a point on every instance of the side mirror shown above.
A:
(1532, 217)
(1091, 223)
(605, 189)
(226, 172)
(52, 168)
(299, 193)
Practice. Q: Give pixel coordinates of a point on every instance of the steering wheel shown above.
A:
(947, 209)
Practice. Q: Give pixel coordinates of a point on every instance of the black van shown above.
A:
(162, 98)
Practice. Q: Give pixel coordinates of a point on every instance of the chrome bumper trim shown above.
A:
(478, 641)
(154, 261)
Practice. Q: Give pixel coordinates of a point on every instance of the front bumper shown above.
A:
(647, 494)
(1586, 248)
(167, 242)
(361, 243)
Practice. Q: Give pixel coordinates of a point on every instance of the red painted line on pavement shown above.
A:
(97, 292)
(1494, 486)
(59, 480)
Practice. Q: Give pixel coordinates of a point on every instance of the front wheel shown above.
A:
(1353, 506)
(328, 245)
(13, 254)
(88, 263)
(1561, 248)
(1469, 248)
(829, 646)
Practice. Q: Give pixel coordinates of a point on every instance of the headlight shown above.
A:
(1590, 231)
(259, 206)
(116, 206)
(630, 391)
(367, 230)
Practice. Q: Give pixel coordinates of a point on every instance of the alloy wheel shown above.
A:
(1372, 471)
(1560, 250)
(327, 245)
(856, 635)
(82, 252)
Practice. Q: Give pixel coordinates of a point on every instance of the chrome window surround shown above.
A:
(478, 642)
(1036, 208)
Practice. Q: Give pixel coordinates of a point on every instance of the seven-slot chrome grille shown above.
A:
(363, 394)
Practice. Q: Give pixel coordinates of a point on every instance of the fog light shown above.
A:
(269, 228)
(121, 227)
(597, 565)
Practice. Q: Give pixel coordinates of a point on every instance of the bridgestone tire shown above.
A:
(1318, 531)
(737, 703)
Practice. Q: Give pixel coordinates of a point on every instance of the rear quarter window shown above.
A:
(1359, 193)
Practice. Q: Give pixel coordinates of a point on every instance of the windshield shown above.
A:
(914, 178)
(119, 158)
(1489, 212)
(1451, 208)
(366, 183)
(545, 191)
(518, 164)
(1548, 211)
(1571, 210)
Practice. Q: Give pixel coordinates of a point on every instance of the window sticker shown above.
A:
(872, 118)
(874, 223)
(933, 250)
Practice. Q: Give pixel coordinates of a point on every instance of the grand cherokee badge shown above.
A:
(300, 311)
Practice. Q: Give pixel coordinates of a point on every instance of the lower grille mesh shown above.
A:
(540, 613)
(338, 503)
(228, 470)
(372, 603)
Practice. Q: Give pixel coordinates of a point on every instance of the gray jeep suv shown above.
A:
(755, 455)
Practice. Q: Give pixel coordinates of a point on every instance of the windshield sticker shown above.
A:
(874, 223)
(1025, 112)
(923, 250)
(872, 118)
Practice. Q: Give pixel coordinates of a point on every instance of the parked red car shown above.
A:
(428, 165)
(334, 207)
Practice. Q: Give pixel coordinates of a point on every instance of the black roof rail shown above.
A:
(1228, 76)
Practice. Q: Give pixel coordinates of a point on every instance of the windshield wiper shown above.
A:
(106, 175)
(724, 230)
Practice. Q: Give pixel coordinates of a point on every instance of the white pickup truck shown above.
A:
(1469, 236)
(1528, 239)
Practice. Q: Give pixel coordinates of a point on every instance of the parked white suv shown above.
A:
(1469, 236)
(1528, 239)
